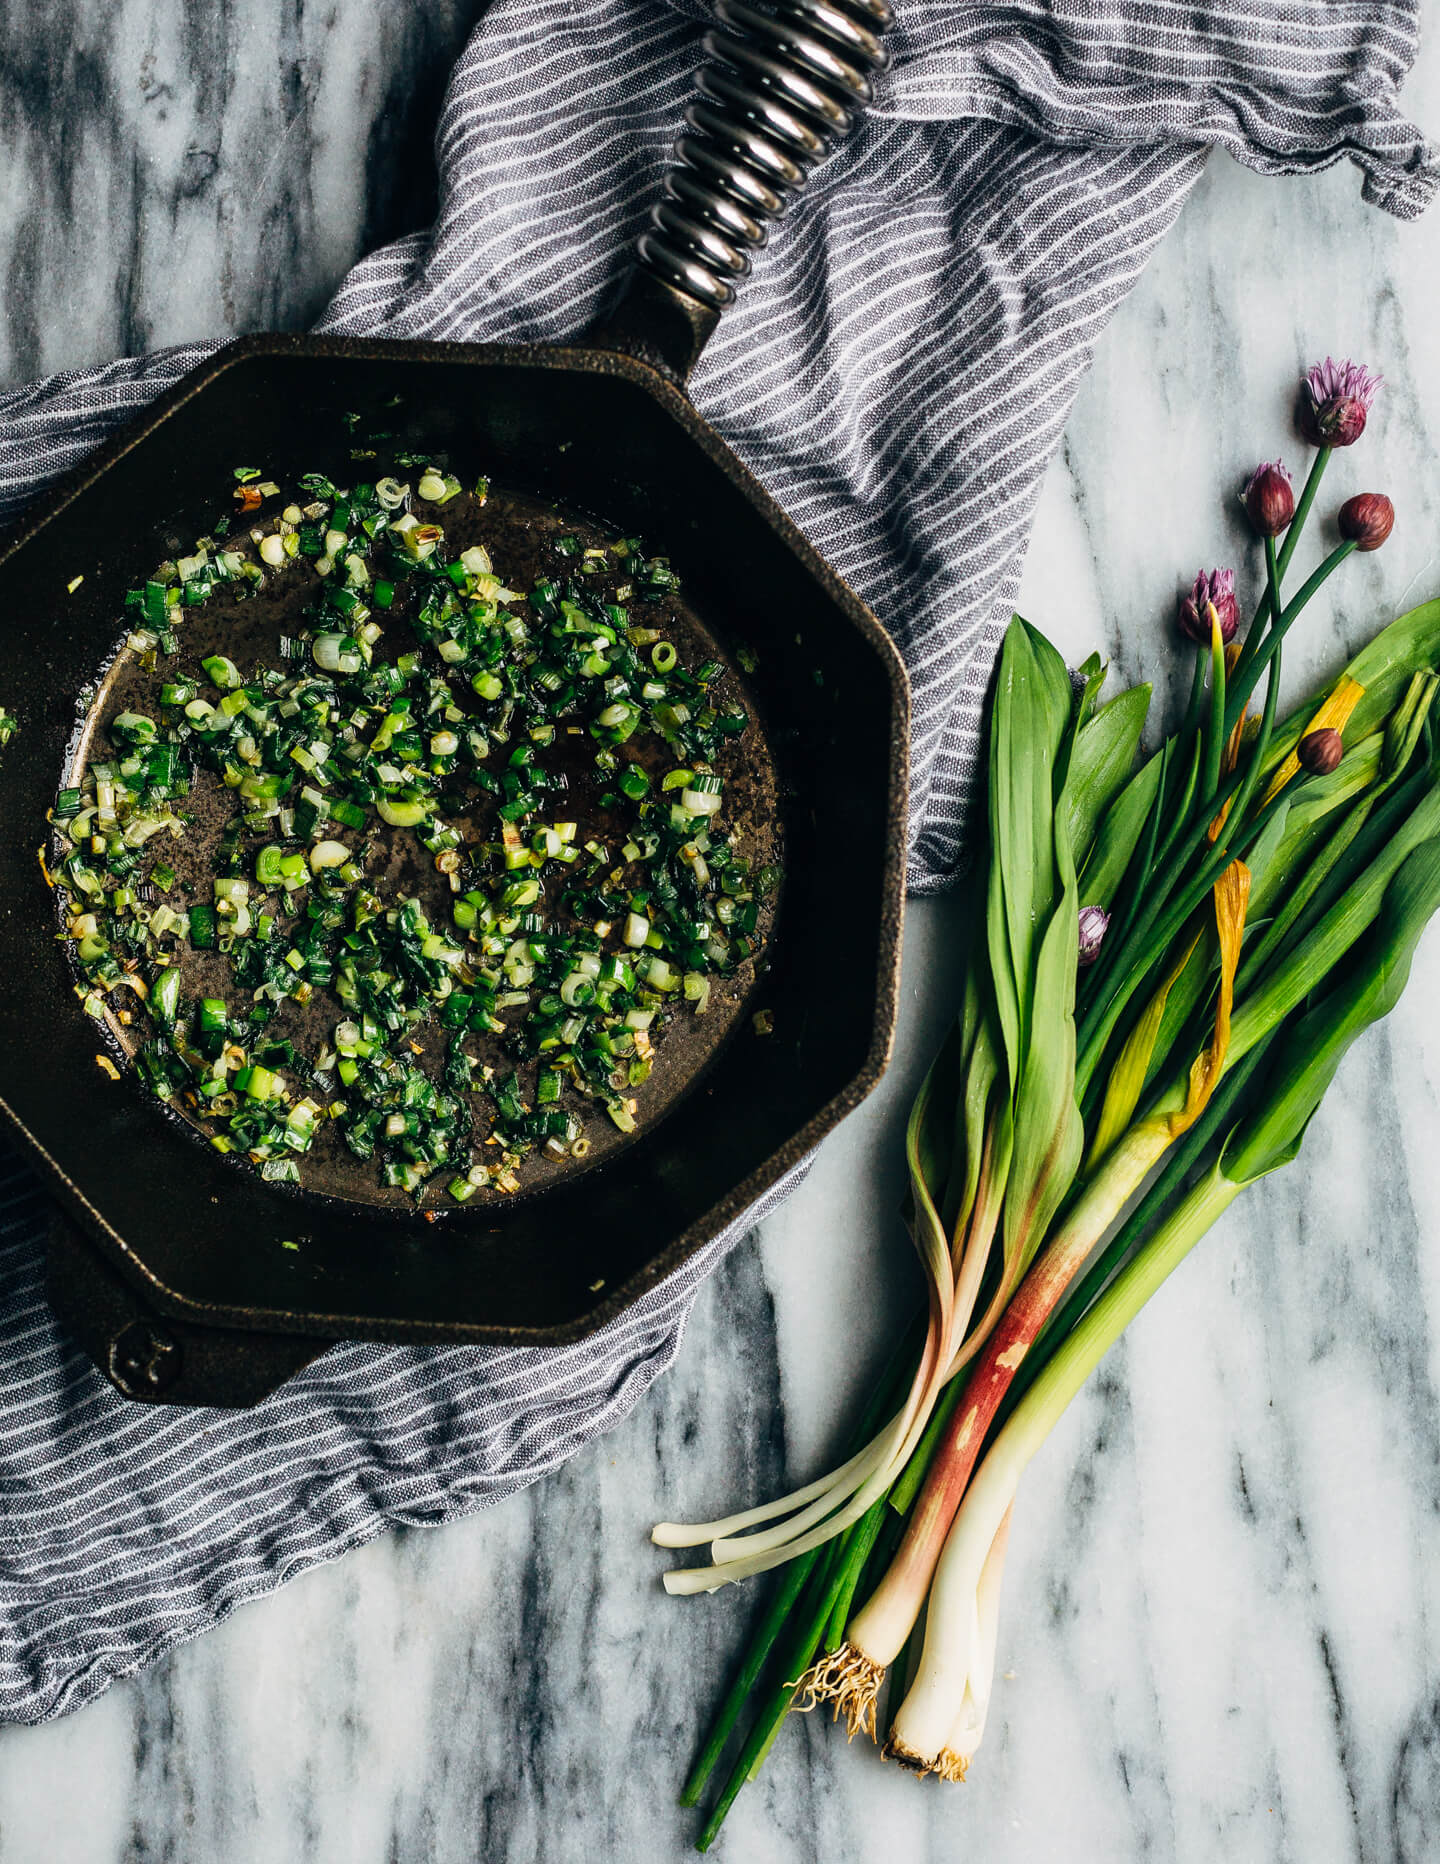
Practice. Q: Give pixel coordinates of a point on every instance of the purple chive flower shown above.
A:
(1367, 520)
(1211, 587)
(1269, 498)
(1335, 402)
(1094, 924)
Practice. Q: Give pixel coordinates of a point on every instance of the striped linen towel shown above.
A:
(897, 373)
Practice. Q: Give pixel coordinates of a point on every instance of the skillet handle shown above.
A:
(779, 89)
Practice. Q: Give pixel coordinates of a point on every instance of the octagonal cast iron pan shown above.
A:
(168, 1261)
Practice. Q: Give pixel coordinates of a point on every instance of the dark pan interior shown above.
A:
(589, 432)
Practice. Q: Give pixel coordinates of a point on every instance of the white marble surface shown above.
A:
(1221, 1635)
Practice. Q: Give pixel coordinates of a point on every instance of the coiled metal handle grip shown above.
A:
(782, 87)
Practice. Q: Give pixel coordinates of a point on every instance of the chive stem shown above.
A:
(746, 1677)
(1242, 687)
(1215, 739)
(1234, 822)
(1297, 523)
(1197, 698)
(1269, 604)
(889, 1387)
(798, 1656)
(1181, 815)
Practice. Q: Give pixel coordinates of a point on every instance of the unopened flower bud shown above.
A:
(1367, 520)
(1213, 588)
(1094, 924)
(1335, 402)
(1320, 751)
(1269, 498)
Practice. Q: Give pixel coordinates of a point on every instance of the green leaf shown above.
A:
(1114, 846)
(1327, 844)
(1002, 975)
(1384, 668)
(1138, 1061)
(1356, 772)
(1100, 765)
(1266, 857)
(1197, 981)
(1092, 677)
(1307, 966)
(1407, 722)
(1029, 723)
(1049, 1133)
(933, 1133)
(1031, 934)
(1312, 1052)
(941, 1139)
(1291, 869)
(980, 1070)
(923, 1216)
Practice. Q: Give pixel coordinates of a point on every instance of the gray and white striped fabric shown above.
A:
(898, 373)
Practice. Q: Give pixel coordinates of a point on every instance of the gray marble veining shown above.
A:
(1221, 1633)
(175, 171)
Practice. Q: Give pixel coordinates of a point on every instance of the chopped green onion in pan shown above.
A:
(572, 908)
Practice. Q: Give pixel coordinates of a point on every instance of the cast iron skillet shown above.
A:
(167, 1261)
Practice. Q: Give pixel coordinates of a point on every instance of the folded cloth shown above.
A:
(897, 373)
